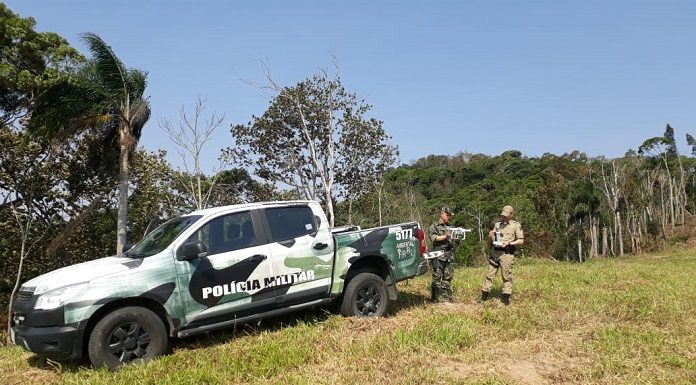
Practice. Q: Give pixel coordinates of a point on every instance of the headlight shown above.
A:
(58, 297)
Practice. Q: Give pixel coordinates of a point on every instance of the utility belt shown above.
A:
(494, 258)
(507, 249)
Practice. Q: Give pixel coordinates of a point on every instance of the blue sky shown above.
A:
(445, 76)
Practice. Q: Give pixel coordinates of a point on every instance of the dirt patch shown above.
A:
(460, 370)
(544, 358)
(527, 372)
(540, 371)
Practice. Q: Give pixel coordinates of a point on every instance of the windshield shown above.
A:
(162, 236)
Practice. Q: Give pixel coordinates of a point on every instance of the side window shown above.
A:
(227, 233)
(291, 222)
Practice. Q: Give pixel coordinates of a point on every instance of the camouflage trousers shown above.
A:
(441, 287)
(506, 262)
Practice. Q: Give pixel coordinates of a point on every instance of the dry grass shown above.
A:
(608, 321)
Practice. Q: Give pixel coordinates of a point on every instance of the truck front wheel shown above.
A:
(129, 334)
(365, 296)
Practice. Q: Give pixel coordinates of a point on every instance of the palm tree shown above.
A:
(105, 99)
(120, 108)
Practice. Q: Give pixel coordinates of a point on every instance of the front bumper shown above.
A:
(44, 332)
(54, 342)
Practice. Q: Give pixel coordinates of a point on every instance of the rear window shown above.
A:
(291, 222)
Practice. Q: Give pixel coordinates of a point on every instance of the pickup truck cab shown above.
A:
(212, 269)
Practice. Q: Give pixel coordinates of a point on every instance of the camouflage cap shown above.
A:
(446, 209)
(507, 211)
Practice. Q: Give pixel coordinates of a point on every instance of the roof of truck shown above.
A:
(215, 210)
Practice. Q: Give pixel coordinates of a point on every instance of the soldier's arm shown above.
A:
(434, 235)
(519, 237)
(491, 234)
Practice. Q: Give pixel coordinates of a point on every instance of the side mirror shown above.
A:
(191, 250)
(128, 246)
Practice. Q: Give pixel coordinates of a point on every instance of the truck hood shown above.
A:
(81, 272)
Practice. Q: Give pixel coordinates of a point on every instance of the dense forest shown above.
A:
(572, 207)
(69, 131)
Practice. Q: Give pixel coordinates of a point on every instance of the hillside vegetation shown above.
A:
(607, 321)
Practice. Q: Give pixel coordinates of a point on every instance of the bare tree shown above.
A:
(476, 212)
(612, 186)
(190, 135)
(664, 149)
(360, 172)
(24, 218)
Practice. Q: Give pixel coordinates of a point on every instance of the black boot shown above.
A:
(506, 299)
(484, 296)
(434, 294)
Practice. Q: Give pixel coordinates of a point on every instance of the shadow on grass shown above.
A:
(307, 317)
(253, 328)
(217, 337)
(201, 341)
(38, 362)
(408, 300)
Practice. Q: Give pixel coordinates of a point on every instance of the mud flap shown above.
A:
(391, 288)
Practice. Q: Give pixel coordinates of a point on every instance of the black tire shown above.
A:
(365, 296)
(126, 335)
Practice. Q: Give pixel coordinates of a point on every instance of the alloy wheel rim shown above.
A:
(368, 300)
(128, 342)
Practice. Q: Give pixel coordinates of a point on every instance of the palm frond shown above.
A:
(137, 81)
(140, 114)
(57, 109)
(108, 66)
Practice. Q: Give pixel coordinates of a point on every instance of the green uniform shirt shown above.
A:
(435, 230)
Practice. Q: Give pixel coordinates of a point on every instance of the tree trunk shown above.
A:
(595, 240)
(22, 255)
(121, 226)
(612, 241)
(662, 204)
(479, 223)
(619, 233)
(350, 210)
(73, 225)
(672, 215)
(605, 241)
(594, 248)
(199, 192)
(379, 202)
(590, 229)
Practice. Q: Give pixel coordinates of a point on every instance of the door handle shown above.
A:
(320, 246)
(258, 258)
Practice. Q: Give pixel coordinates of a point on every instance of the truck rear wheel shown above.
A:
(129, 334)
(365, 296)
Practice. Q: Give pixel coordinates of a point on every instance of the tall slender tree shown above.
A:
(107, 99)
(120, 105)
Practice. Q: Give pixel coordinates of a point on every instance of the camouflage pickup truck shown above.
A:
(212, 269)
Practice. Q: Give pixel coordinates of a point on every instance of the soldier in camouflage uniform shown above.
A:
(508, 234)
(441, 286)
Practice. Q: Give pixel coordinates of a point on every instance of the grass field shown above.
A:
(607, 321)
